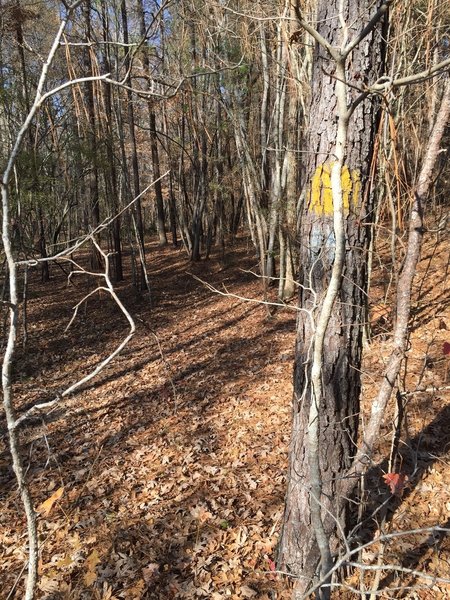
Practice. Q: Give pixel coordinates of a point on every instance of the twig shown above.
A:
(244, 299)
(345, 559)
(390, 567)
(75, 386)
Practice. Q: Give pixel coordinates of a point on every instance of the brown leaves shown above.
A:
(46, 507)
(90, 565)
(150, 571)
(189, 504)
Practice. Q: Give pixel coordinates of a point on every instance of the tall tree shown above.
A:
(134, 146)
(160, 226)
(111, 183)
(92, 128)
(334, 240)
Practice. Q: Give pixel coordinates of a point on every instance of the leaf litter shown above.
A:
(143, 494)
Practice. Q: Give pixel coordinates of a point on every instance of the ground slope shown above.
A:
(170, 466)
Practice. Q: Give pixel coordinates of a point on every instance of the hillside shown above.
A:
(170, 465)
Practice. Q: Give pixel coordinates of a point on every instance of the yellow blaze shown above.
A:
(321, 197)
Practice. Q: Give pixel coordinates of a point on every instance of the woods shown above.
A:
(287, 158)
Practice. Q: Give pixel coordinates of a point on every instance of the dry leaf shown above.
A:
(67, 561)
(247, 592)
(149, 572)
(135, 592)
(200, 513)
(45, 508)
(48, 584)
(107, 592)
(397, 482)
(91, 563)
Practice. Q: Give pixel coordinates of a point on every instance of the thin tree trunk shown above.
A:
(160, 220)
(404, 292)
(45, 270)
(92, 135)
(7, 372)
(111, 175)
(291, 164)
(278, 149)
(172, 199)
(160, 226)
(134, 154)
(252, 192)
(265, 173)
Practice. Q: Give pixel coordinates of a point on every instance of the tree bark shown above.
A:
(111, 171)
(160, 225)
(337, 145)
(134, 154)
(93, 178)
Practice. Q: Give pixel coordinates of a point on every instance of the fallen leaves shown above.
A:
(90, 566)
(247, 592)
(46, 507)
(149, 572)
(187, 504)
(200, 513)
(396, 482)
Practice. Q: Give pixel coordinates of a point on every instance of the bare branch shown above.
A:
(14, 443)
(78, 384)
(145, 93)
(98, 43)
(23, 130)
(367, 28)
(68, 84)
(403, 307)
(381, 538)
(244, 299)
(412, 79)
(391, 567)
(333, 52)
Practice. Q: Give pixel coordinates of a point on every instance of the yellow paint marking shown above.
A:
(321, 197)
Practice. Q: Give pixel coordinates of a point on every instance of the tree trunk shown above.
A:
(278, 149)
(337, 406)
(172, 199)
(252, 192)
(160, 226)
(93, 179)
(111, 171)
(134, 153)
(298, 65)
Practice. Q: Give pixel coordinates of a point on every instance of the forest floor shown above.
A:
(165, 477)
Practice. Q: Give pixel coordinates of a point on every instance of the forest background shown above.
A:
(195, 196)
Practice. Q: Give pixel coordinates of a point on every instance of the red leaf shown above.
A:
(446, 348)
(272, 565)
(397, 482)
